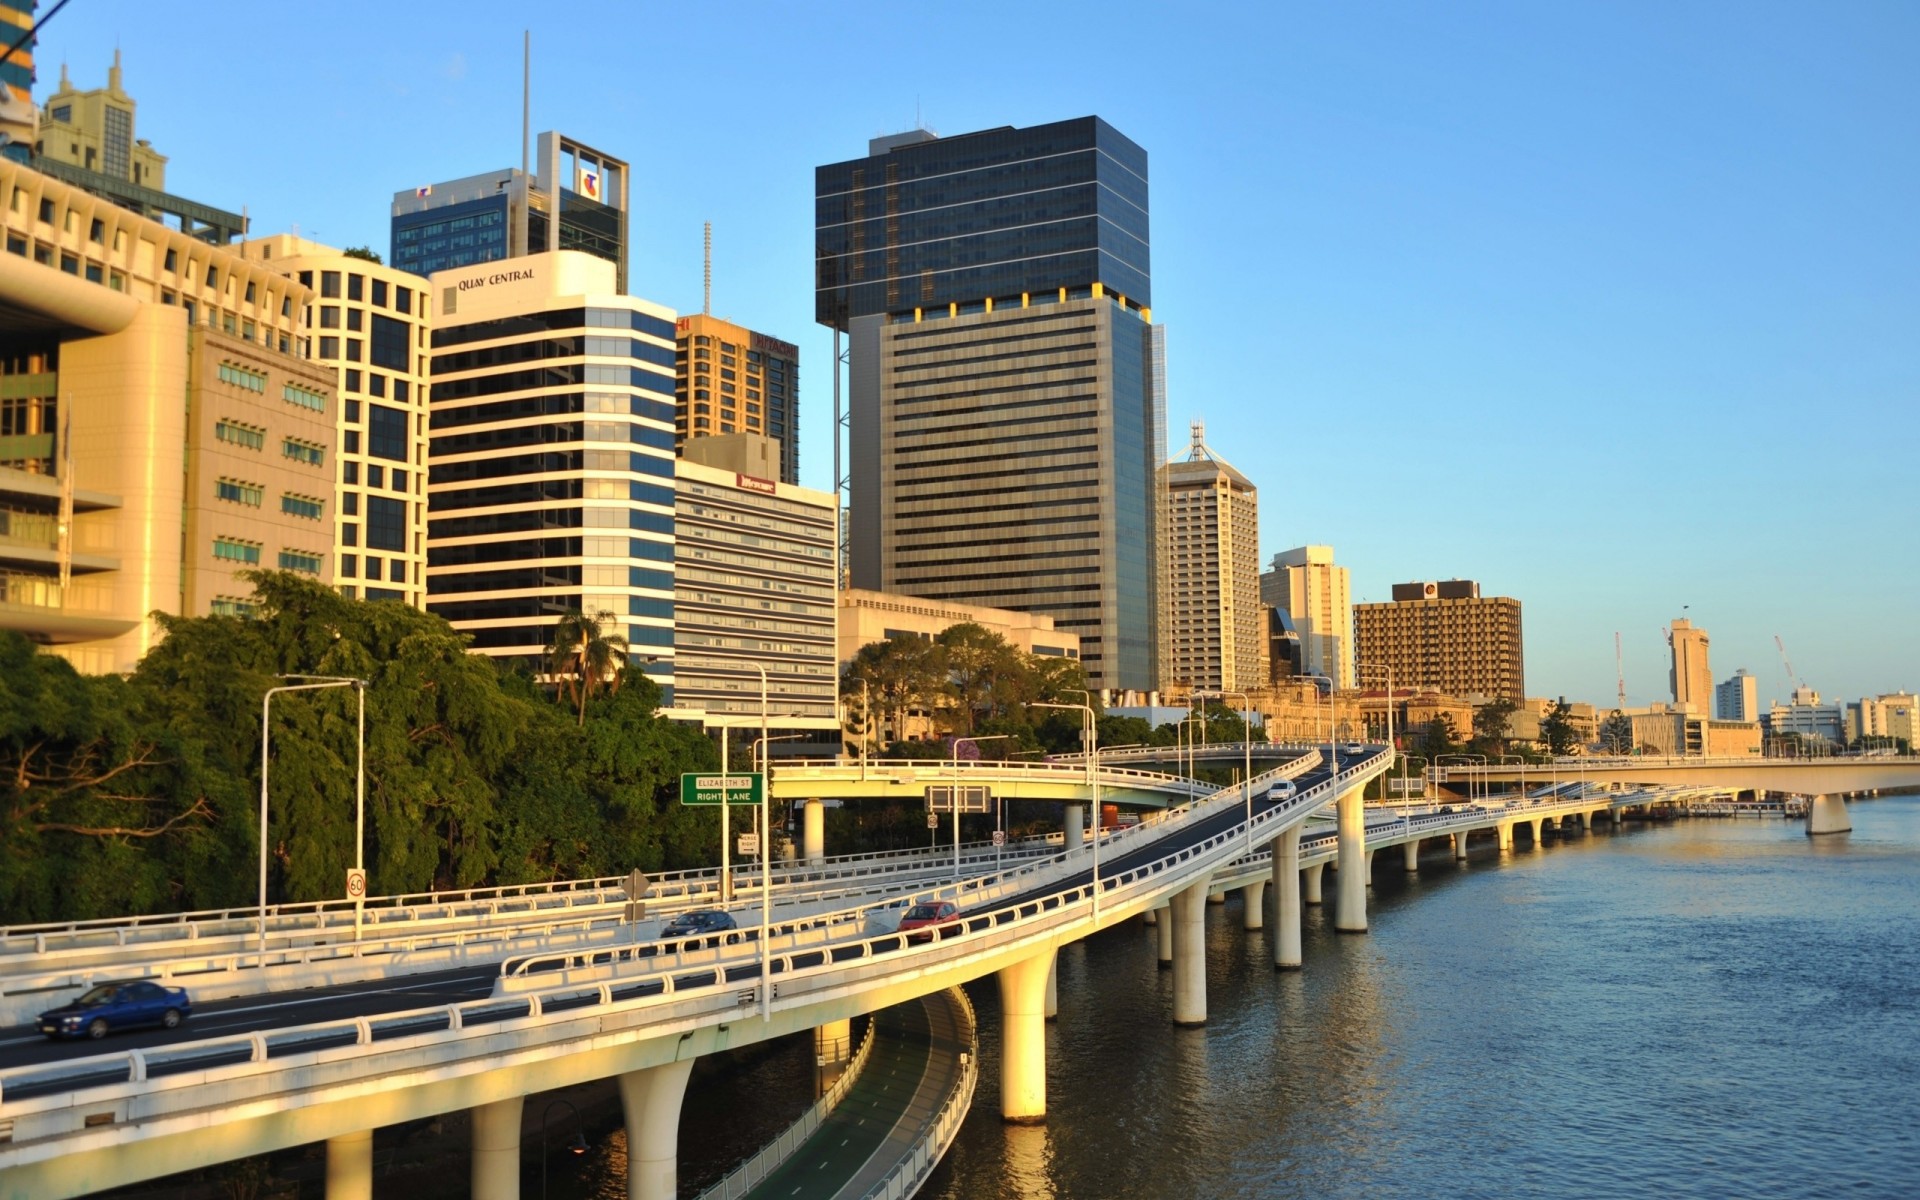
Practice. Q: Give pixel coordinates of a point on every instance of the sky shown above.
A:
(1611, 307)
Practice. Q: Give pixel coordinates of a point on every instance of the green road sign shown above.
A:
(745, 787)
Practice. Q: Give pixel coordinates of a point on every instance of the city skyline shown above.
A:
(1608, 255)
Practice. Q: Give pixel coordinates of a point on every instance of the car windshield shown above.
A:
(923, 912)
(104, 994)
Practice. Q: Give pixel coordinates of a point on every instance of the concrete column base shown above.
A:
(1410, 856)
(1053, 986)
(1075, 829)
(1504, 832)
(1023, 1039)
(1355, 862)
(496, 1149)
(1253, 905)
(1163, 938)
(1190, 954)
(1539, 831)
(350, 1166)
(652, 1098)
(1216, 897)
(1286, 900)
(832, 1050)
(1315, 875)
(1460, 844)
(813, 832)
(1828, 815)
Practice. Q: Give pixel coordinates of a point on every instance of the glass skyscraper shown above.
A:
(1006, 403)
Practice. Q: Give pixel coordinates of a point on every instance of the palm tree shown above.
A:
(584, 655)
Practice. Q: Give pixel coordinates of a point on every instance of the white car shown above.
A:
(1282, 789)
(1353, 748)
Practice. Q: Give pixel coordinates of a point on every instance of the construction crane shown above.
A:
(1786, 662)
(1619, 673)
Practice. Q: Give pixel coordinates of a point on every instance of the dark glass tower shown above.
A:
(1007, 416)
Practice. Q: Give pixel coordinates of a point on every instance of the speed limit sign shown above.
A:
(933, 820)
(999, 837)
(356, 883)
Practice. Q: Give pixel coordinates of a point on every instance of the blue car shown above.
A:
(699, 921)
(111, 1006)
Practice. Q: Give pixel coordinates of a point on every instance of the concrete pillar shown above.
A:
(813, 832)
(1053, 986)
(350, 1166)
(1585, 819)
(1286, 900)
(1410, 855)
(1253, 905)
(651, 1098)
(1504, 831)
(1150, 916)
(496, 1149)
(1460, 844)
(1315, 874)
(832, 1050)
(1163, 938)
(1539, 831)
(1351, 914)
(1076, 829)
(1828, 815)
(1216, 897)
(1190, 954)
(1023, 1039)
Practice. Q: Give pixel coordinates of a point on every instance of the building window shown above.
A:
(238, 491)
(294, 560)
(235, 550)
(379, 293)
(386, 524)
(390, 349)
(309, 507)
(355, 286)
(387, 433)
(329, 316)
(330, 285)
(232, 606)
(349, 565)
(305, 397)
(253, 437)
(353, 349)
(300, 450)
(239, 376)
(330, 349)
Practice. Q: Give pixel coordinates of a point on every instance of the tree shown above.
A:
(1556, 728)
(1439, 738)
(1490, 725)
(1616, 733)
(585, 654)
(363, 253)
(901, 674)
(984, 673)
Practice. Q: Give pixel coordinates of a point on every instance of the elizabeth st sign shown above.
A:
(747, 787)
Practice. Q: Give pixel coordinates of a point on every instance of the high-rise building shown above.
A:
(1738, 699)
(1210, 623)
(1317, 594)
(1691, 678)
(575, 198)
(370, 325)
(1006, 396)
(550, 466)
(86, 138)
(1446, 636)
(161, 428)
(729, 379)
(743, 601)
(19, 121)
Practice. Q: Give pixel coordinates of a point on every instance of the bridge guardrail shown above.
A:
(940, 1129)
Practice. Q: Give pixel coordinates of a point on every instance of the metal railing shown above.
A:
(939, 1130)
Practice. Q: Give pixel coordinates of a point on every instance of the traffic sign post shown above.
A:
(356, 884)
(749, 845)
(974, 797)
(739, 788)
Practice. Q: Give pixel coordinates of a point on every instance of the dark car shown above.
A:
(112, 1006)
(699, 921)
(924, 922)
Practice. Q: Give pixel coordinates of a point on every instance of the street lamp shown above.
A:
(1090, 737)
(1523, 771)
(360, 784)
(1332, 754)
(766, 861)
(953, 797)
(578, 1146)
(1246, 768)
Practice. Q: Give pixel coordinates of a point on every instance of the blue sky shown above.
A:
(1613, 308)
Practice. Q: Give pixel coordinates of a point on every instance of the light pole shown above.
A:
(1091, 738)
(953, 797)
(1523, 771)
(360, 785)
(578, 1145)
(766, 860)
(1246, 745)
(1331, 754)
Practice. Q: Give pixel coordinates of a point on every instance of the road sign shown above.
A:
(356, 883)
(1404, 786)
(974, 797)
(933, 819)
(637, 885)
(747, 787)
(999, 837)
(1439, 774)
(749, 844)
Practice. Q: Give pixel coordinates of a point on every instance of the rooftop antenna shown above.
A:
(706, 274)
(1619, 674)
(526, 97)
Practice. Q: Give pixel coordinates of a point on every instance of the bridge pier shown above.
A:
(1253, 905)
(1286, 900)
(1351, 915)
(1023, 1039)
(1539, 831)
(651, 1098)
(350, 1166)
(813, 832)
(1163, 938)
(1504, 832)
(1315, 876)
(1410, 855)
(1150, 917)
(1075, 829)
(1190, 954)
(496, 1150)
(1053, 985)
(1828, 814)
(832, 1050)
(1460, 844)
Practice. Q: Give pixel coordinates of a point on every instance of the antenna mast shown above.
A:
(706, 294)
(1619, 674)
(526, 96)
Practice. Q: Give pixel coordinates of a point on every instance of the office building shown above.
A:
(574, 198)
(753, 588)
(550, 465)
(1316, 594)
(1210, 619)
(730, 379)
(1884, 721)
(369, 323)
(87, 139)
(161, 428)
(1006, 395)
(1806, 718)
(19, 120)
(1690, 677)
(1738, 699)
(1446, 636)
(1671, 730)
(867, 617)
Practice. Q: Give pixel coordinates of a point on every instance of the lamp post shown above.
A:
(578, 1145)
(360, 783)
(1091, 738)
(1523, 771)
(766, 861)
(1246, 767)
(953, 797)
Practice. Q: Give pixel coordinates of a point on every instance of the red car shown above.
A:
(925, 922)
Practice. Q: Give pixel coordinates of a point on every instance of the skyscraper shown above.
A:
(730, 379)
(1317, 594)
(18, 121)
(1691, 678)
(1006, 402)
(1211, 623)
(1738, 699)
(575, 198)
(1446, 636)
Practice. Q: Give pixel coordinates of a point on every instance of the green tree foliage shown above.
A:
(1491, 725)
(1439, 738)
(586, 655)
(1556, 729)
(1616, 733)
(363, 253)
